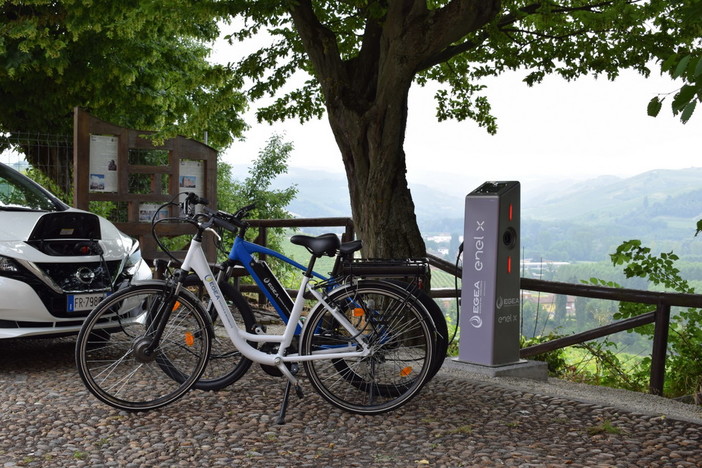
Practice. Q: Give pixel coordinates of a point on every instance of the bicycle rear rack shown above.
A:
(412, 270)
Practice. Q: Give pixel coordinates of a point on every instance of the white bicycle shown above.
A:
(366, 346)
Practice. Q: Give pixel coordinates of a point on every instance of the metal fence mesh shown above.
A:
(51, 154)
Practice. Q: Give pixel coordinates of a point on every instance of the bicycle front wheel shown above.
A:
(402, 341)
(118, 360)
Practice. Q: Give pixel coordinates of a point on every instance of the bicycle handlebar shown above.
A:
(195, 199)
(228, 221)
(217, 218)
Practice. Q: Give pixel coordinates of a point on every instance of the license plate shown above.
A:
(77, 302)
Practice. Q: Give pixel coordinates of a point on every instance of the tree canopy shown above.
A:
(143, 65)
(356, 60)
(139, 64)
(685, 62)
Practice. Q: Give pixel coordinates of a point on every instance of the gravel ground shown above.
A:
(459, 419)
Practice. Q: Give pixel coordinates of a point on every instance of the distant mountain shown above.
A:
(561, 219)
(322, 194)
(608, 197)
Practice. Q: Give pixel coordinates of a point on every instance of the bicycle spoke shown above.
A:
(117, 362)
(399, 338)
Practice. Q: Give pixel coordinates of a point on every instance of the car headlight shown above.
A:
(133, 260)
(7, 265)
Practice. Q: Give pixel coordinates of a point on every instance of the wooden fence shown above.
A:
(659, 315)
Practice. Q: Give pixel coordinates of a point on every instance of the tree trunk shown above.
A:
(371, 143)
(366, 100)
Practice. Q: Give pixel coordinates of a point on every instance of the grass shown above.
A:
(583, 361)
(461, 430)
(605, 427)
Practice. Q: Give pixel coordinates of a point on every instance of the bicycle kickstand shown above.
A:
(286, 395)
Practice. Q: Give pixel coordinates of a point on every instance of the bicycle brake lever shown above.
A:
(219, 238)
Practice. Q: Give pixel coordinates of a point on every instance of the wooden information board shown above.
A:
(118, 165)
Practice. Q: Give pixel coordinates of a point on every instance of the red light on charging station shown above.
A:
(509, 264)
(511, 211)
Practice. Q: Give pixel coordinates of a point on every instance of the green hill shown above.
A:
(561, 220)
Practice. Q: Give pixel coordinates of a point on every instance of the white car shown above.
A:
(56, 262)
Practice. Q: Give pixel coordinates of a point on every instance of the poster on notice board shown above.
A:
(103, 163)
(191, 177)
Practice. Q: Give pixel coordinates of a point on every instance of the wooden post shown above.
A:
(660, 347)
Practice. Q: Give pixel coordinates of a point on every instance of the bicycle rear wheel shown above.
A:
(402, 340)
(113, 348)
(226, 364)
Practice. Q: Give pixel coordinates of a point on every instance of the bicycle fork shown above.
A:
(157, 315)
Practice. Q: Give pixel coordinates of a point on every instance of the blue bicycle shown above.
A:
(366, 346)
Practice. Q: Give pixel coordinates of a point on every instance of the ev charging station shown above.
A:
(491, 279)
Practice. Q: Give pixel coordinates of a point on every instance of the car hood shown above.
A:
(16, 227)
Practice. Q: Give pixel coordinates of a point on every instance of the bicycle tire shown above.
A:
(411, 295)
(110, 348)
(437, 316)
(226, 363)
(402, 338)
(435, 313)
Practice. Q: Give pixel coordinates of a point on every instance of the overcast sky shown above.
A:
(560, 129)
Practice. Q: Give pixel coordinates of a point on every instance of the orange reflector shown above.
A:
(189, 339)
(406, 371)
(175, 306)
(358, 312)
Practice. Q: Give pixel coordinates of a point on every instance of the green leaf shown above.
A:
(682, 66)
(687, 112)
(683, 97)
(668, 63)
(699, 227)
(654, 106)
(698, 68)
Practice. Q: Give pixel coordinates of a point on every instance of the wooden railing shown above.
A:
(659, 315)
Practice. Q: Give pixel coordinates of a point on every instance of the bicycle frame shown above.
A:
(241, 251)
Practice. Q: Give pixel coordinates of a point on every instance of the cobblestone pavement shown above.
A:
(50, 420)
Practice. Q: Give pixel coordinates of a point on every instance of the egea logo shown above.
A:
(475, 321)
(509, 302)
(211, 281)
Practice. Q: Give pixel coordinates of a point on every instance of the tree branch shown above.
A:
(507, 20)
(320, 44)
(534, 7)
(452, 51)
(435, 31)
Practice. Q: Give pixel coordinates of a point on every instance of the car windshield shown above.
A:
(18, 193)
